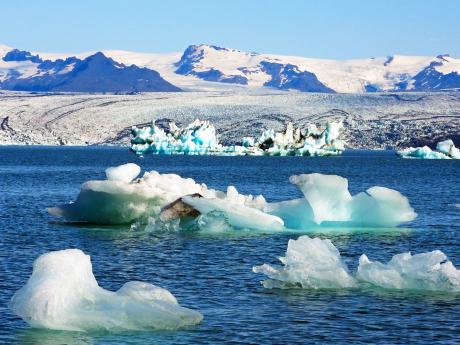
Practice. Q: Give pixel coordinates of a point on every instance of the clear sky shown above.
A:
(322, 28)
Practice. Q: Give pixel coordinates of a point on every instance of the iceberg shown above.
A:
(314, 263)
(426, 271)
(444, 150)
(63, 294)
(200, 138)
(309, 263)
(125, 199)
(328, 202)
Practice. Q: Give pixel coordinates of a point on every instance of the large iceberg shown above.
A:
(200, 138)
(444, 150)
(314, 263)
(124, 199)
(63, 294)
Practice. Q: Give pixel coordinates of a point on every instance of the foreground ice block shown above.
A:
(309, 263)
(444, 150)
(200, 138)
(63, 294)
(427, 271)
(314, 263)
(327, 202)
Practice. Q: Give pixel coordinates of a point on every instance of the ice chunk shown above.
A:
(200, 138)
(63, 294)
(313, 263)
(309, 263)
(444, 150)
(124, 173)
(427, 271)
(329, 202)
(238, 215)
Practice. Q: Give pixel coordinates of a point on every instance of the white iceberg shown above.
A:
(444, 150)
(327, 202)
(309, 263)
(63, 294)
(426, 271)
(313, 263)
(200, 138)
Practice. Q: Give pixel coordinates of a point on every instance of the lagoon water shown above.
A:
(212, 272)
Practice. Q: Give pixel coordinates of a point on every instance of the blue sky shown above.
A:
(326, 28)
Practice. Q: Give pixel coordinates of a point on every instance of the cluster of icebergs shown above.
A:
(314, 263)
(200, 138)
(444, 150)
(123, 198)
(63, 294)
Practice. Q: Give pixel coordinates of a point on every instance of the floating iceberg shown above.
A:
(63, 294)
(313, 263)
(427, 271)
(309, 263)
(328, 202)
(200, 138)
(123, 199)
(444, 150)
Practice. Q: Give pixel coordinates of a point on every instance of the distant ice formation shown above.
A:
(124, 199)
(444, 150)
(63, 294)
(313, 263)
(200, 138)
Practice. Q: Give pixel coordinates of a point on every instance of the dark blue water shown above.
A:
(212, 273)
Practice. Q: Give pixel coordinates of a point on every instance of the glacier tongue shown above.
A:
(63, 294)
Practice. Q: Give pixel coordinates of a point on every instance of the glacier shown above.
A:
(63, 294)
(444, 150)
(124, 198)
(200, 138)
(314, 263)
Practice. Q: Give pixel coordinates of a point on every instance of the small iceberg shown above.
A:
(314, 263)
(444, 150)
(123, 198)
(200, 138)
(63, 294)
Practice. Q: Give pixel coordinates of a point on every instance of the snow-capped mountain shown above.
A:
(23, 71)
(393, 73)
(207, 67)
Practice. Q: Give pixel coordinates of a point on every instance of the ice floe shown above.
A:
(444, 150)
(314, 263)
(200, 138)
(63, 294)
(327, 201)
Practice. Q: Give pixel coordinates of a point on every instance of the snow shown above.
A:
(200, 138)
(444, 150)
(314, 263)
(122, 200)
(63, 294)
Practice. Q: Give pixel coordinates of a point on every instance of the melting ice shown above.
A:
(200, 138)
(63, 294)
(316, 264)
(123, 199)
(444, 150)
